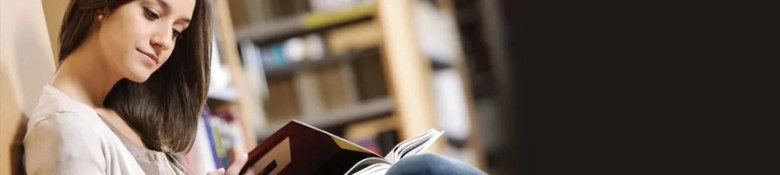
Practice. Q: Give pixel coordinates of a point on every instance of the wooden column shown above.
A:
(251, 108)
(409, 74)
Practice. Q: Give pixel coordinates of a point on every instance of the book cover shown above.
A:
(300, 149)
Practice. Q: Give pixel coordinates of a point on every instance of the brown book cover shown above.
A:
(298, 148)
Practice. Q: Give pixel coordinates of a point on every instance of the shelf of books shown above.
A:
(362, 70)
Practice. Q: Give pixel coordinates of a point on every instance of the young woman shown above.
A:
(132, 79)
(131, 83)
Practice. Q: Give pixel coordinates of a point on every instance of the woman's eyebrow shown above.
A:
(164, 4)
(167, 8)
(185, 22)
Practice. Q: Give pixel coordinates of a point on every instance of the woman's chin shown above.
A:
(138, 79)
(139, 76)
(138, 73)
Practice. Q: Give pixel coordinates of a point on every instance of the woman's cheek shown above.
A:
(165, 55)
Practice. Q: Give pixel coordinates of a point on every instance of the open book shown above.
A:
(298, 148)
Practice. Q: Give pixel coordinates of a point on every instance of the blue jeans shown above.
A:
(430, 164)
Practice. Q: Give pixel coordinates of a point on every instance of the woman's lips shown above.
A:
(150, 56)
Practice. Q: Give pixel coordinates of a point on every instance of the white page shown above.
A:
(413, 146)
(421, 147)
(368, 161)
(376, 169)
(425, 139)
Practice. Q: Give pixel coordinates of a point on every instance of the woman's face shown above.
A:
(139, 36)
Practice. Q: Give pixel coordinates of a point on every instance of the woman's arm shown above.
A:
(60, 144)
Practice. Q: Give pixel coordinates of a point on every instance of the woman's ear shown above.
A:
(102, 13)
(100, 17)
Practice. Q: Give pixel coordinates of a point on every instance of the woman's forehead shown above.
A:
(177, 8)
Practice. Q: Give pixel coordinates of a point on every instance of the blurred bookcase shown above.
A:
(364, 70)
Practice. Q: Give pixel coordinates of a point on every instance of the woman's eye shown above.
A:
(150, 14)
(176, 34)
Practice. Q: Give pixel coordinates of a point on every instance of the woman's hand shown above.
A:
(234, 169)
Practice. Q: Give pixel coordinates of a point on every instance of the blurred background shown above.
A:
(518, 86)
(375, 72)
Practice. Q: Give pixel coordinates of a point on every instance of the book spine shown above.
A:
(307, 90)
(283, 101)
(212, 141)
(200, 159)
(277, 55)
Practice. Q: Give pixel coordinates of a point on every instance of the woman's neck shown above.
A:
(84, 75)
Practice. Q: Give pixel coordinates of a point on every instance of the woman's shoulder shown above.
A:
(66, 125)
(59, 115)
(68, 139)
(67, 135)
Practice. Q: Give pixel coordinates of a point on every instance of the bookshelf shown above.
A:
(374, 109)
(304, 24)
(328, 60)
(409, 105)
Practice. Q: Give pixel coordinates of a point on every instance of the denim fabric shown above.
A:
(430, 164)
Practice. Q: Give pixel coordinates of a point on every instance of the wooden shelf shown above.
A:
(304, 24)
(360, 112)
(289, 68)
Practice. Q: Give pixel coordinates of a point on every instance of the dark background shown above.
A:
(617, 87)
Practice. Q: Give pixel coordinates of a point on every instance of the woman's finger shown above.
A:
(237, 165)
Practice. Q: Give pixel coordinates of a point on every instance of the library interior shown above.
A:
(374, 72)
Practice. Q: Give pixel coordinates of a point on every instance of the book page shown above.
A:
(413, 146)
(375, 169)
(364, 164)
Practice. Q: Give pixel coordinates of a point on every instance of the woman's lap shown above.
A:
(430, 164)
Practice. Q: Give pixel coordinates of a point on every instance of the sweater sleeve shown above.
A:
(61, 144)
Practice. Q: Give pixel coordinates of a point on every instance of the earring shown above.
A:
(100, 17)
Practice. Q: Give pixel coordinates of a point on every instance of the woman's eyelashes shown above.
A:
(151, 14)
(175, 34)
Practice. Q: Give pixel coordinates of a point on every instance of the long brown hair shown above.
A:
(164, 110)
